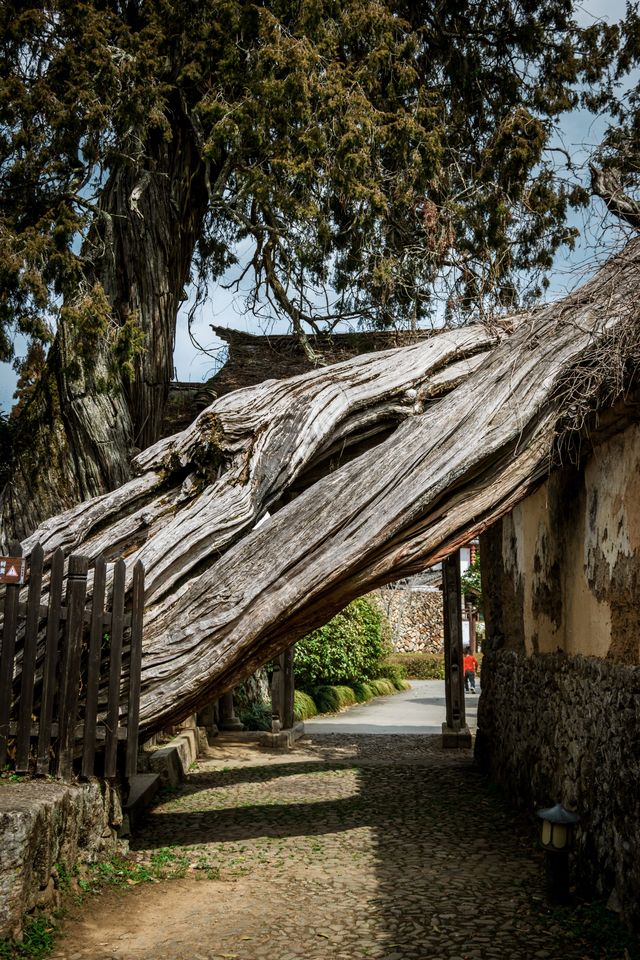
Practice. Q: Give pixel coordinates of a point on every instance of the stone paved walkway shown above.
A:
(353, 848)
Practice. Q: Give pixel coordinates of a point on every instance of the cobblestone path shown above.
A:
(361, 848)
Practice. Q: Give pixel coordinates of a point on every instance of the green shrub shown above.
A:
(421, 666)
(332, 699)
(363, 692)
(382, 687)
(303, 706)
(256, 717)
(346, 650)
(396, 672)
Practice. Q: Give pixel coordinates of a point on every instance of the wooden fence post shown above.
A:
(115, 669)
(29, 650)
(93, 667)
(76, 589)
(51, 651)
(10, 626)
(135, 667)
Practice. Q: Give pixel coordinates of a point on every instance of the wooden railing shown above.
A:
(60, 712)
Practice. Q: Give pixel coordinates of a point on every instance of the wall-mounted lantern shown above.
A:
(557, 831)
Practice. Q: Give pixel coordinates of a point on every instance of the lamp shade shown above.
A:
(557, 823)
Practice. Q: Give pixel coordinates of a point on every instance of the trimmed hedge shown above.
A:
(325, 699)
(303, 706)
(330, 699)
(424, 666)
(363, 692)
(420, 666)
(390, 670)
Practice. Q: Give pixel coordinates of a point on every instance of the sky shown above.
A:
(581, 132)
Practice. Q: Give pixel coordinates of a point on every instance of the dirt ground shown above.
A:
(358, 848)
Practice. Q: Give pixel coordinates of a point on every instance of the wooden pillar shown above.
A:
(228, 719)
(282, 691)
(277, 697)
(289, 687)
(472, 628)
(455, 732)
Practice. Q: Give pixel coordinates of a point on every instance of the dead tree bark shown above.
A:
(371, 470)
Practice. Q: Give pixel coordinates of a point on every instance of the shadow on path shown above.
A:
(367, 848)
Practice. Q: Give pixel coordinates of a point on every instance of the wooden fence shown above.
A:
(57, 710)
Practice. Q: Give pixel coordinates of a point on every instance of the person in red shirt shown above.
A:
(470, 667)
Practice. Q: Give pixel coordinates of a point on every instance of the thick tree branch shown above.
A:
(416, 449)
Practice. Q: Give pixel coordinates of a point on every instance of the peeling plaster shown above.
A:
(570, 555)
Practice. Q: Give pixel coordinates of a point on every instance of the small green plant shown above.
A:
(471, 583)
(38, 938)
(64, 877)
(257, 716)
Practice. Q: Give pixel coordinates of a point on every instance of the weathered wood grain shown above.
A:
(284, 501)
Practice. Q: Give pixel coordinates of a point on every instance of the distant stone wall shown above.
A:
(556, 728)
(45, 830)
(415, 617)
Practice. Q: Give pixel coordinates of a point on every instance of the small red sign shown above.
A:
(12, 569)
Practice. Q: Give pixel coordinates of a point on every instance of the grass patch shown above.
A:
(382, 687)
(39, 933)
(164, 864)
(363, 692)
(329, 699)
(38, 939)
(304, 706)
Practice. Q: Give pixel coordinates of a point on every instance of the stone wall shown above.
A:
(415, 617)
(45, 830)
(556, 728)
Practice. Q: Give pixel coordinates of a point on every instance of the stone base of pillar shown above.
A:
(283, 739)
(231, 724)
(456, 739)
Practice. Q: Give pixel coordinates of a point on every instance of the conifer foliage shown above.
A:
(366, 154)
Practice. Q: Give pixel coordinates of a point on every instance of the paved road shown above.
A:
(420, 710)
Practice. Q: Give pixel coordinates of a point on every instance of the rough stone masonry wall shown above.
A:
(46, 829)
(415, 617)
(556, 728)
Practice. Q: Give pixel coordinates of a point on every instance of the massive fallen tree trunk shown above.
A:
(284, 501)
